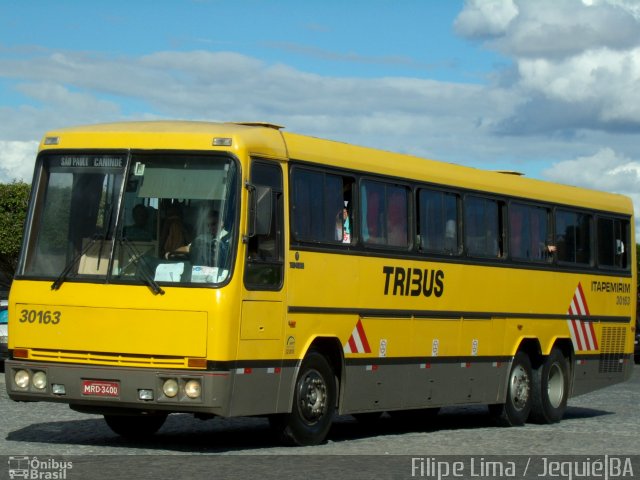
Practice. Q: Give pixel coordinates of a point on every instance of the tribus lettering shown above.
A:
(413, 281)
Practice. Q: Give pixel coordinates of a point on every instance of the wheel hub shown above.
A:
(555, 385)
(520, 387)
(313, 397)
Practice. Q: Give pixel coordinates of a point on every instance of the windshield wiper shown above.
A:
(67, 269)
(144, 269)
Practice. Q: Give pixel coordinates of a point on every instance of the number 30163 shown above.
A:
(40, 316)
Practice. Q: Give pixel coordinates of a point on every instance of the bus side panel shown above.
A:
(373, 387)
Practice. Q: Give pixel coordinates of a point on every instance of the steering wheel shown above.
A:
(178, 256)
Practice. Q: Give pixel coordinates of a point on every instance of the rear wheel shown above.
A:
(515, 410)
(550, 389)
(314, 400)
(135, 427)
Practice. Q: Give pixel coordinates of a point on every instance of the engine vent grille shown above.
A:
(612, 349)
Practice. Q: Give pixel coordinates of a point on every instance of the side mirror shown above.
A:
(260, 210)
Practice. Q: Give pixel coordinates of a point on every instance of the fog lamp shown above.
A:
(58, 389)
(145, 394)
(21, 378)
(192, 389)
(170, 388)
(40, 380)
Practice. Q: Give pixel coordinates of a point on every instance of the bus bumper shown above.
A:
(102, 389)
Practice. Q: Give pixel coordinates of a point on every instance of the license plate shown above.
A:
(100, 388)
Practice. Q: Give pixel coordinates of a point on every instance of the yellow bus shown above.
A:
(235, 269)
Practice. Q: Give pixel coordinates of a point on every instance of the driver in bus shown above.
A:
(207, 245)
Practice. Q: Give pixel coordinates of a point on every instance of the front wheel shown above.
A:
(135, 427)
(314, 400)
(515, 410)
(550, 389)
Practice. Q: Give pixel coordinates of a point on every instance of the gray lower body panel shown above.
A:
(372, 387)
(365, 385)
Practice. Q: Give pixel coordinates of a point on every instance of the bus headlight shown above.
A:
(170, 388)
(40, 380)
(193, 389)
(21, 379)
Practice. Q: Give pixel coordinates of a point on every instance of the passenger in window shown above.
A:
(343, 226)
(549, 249)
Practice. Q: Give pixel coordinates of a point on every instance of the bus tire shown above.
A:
(550, 389)
(314, 401)
(135, 427)
(515, 411)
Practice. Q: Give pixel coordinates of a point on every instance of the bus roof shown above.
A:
(259, 138)
(420, 169)
(266, 139)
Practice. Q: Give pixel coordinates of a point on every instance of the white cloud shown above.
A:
(486, 18)
(72, 88)
(576, 63)
(551, 28)
(600, 87)
(605, 170)
(58, 96)
(17, 160)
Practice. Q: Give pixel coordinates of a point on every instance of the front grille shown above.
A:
(108, 359)
(612, 349)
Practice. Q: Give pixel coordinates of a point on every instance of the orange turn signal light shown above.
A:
(20, 353)
(197, 362)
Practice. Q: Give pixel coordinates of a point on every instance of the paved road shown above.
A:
(606, 422)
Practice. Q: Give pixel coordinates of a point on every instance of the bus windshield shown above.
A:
(170, 218)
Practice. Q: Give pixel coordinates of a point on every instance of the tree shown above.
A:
(14, 198)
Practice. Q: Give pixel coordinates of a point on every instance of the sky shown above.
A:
(549, 88)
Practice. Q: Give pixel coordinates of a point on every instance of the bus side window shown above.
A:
(573, 237)
(438, 221)
(612, 239)
(484, 229)
(529, 233)
(384, 214)
(321, 206)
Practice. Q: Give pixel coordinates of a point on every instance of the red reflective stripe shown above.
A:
(583, 327)
(363, 337)
(583, 299)
(576, 332)
(352, 345)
